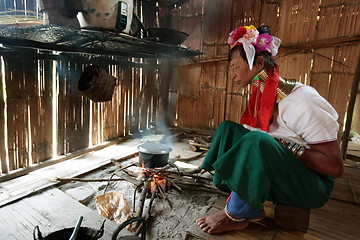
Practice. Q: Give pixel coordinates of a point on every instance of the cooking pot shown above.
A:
(154, 154)
(84, 233)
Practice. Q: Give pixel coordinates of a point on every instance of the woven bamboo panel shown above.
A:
(329, 70)
(201, 94)
(244, 13)
(95, 121)
(212, 93)
(189, 20)
(149, 13)
(189, 79)
(72, 133)
(61, 112)
(188, 116)
(109, 112)
(234, 107)
(342, 79)
(118, 95)
(136, 101)
(147, 90)
(189, 91)
(338, 18)
(40, 107)
(127, 88)
(216, 26)
(43, 110)
(297, 20)
(17, 112)
(320, 74)
(295, 65)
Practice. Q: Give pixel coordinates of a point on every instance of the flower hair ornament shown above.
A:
(252, 41)
(259, 110)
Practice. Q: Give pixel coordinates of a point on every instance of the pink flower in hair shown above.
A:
(263, 42)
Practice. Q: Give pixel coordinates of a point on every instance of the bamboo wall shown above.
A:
(43, 115)
(316, 50)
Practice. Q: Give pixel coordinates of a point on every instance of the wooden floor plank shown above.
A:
(334, 221)
(17, 188)
(8, 223)
(51, 210)
(355, 189)
(342, 190)
(339, 219)
(264, 230)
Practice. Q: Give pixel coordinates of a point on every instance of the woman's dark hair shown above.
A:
(268, 59)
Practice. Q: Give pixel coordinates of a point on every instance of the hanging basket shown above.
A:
(97, 84)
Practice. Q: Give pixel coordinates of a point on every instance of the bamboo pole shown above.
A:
(350, 110)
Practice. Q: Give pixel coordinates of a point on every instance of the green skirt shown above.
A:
(258, 168)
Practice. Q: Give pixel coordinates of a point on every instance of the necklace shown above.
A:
(284, 88)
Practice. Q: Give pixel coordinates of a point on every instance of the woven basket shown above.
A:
(97, 84)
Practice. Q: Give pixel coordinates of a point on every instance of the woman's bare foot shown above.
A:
(219, 222)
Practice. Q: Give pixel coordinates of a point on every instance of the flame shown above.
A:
(158, 181)
(152, 186)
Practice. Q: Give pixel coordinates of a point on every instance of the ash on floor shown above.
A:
(165, 221)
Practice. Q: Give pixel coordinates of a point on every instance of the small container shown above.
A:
(110, 15)
(153, 154)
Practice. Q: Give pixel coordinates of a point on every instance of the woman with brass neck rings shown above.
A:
(284, 149)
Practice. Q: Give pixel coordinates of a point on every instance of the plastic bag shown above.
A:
(113, 206)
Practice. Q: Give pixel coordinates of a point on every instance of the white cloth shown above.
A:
(304, 117)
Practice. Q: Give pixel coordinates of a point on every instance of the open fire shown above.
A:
(157, 183)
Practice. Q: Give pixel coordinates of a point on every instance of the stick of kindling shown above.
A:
(148, 214)
(164, 196)
(153, 195)
(142, 197)
(192, 187)
(55, 179)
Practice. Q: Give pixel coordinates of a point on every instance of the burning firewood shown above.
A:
(155, 183)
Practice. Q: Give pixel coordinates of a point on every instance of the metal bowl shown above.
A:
(167, 35)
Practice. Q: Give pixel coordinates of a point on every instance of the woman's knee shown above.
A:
(258, 137)
(230, 126)
(227, 124)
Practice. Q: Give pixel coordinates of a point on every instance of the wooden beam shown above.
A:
(350, 110)
(332, 42)
(72, 57)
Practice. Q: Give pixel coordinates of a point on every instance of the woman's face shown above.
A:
(239, 70)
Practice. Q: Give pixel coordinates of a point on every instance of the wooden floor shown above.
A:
(34, 200)
(353, 151)
(339, 219)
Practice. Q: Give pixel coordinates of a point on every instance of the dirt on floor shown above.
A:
(168, 219)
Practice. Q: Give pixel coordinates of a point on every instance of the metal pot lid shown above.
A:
(154, 148)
